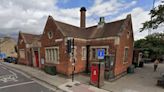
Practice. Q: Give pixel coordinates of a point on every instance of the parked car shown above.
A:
(10, 60)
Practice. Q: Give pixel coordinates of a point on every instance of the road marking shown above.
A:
(4, 68)
(13, 73)
(11, 77)
(24, 83)
(7, 78)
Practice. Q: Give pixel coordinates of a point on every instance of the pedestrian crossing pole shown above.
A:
(73, 60)
(70, 51)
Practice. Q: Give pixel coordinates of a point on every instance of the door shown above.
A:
(109, 66)
(36, 58)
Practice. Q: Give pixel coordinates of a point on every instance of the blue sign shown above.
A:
(101, 53)
(2, 55)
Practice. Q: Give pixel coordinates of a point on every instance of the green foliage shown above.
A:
(153, 43)
(157, 18)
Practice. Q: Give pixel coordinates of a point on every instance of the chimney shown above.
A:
(82, 17)
(101, 21)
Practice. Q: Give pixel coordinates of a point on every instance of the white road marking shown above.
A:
(13, 73)
(4, 68)
(24, 83)
(6, 78)
(11, 77)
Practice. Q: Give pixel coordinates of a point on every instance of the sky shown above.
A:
(30, 16)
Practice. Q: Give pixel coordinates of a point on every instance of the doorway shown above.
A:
(36, 58)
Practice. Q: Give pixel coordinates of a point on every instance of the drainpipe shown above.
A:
(87, 58)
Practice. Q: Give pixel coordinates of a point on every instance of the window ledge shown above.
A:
(125, 63)
(83, 58)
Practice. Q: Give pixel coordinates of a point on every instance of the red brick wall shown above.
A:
(62, 67)
(79, 63)
(121, 67)
(22, 46)
(107, 42)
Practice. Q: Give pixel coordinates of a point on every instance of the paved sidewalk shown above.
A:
(143, 80)
(58, 81)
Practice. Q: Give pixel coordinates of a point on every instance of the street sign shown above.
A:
(101, 53)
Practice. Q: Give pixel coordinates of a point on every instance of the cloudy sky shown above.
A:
(30, 16)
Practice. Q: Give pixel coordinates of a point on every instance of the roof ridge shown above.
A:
(107, 23)
(64, 22)
(30, 33)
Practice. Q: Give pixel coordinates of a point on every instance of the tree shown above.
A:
(153, 43)
(157, 18)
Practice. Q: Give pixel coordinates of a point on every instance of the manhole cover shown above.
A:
(77, 84)
(69, 86)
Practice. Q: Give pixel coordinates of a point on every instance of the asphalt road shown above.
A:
(12, 80)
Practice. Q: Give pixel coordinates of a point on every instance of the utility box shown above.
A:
(97, 74)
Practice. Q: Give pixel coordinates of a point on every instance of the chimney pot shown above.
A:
(101, 21)
(83, 9)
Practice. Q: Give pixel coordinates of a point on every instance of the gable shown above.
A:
(50, 29)
(20, 39)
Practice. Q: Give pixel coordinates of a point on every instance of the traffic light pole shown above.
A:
(73, 63)
(70, 51)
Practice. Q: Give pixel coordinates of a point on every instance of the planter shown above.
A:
(50, 70)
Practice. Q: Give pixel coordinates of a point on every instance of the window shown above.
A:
(20, 41)
(94, 51)
(128, 34)
(126, 54)
(52, 55)
(83, 53)
(50, 35)
(94, 54)
(22, 53)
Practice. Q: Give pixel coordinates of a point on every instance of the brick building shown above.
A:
(116, 38)
(29, 49)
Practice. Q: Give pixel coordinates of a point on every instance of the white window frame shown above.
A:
(50, 36)
(98, 47)
(125, 59)
(50, 54)
(84, 52)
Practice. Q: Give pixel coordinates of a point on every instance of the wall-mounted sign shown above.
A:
(42, 60)
(101, 53)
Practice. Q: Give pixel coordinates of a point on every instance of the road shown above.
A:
(12, 80)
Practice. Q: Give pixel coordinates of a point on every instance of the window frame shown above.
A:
(125, 56)
(50, 56)
(50, 36)
(84, 52)
(96, 48)
(24, 54)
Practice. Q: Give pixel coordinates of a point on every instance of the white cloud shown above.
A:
(27, 16)
(139, 16)
(30, 16)
(108, 7)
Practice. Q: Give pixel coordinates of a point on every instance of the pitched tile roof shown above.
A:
(97, 31)
(29, 38)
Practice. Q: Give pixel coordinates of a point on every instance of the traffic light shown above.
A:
(69, 44)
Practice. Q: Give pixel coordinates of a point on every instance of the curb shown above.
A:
(57, 88)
